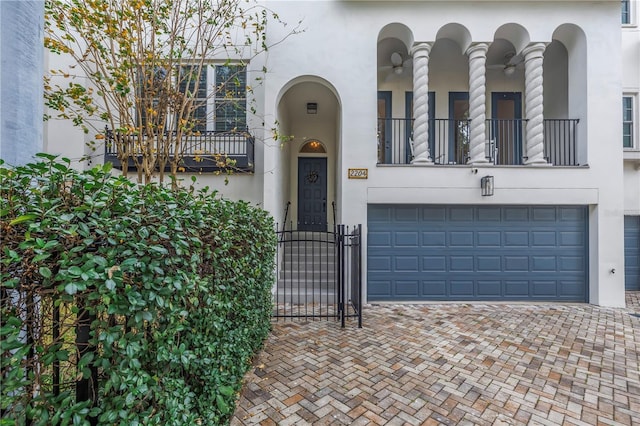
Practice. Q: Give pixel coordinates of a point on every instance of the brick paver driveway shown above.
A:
(452, 364)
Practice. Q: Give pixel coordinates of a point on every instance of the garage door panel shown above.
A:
(380, 263)
(543, 214)
(434, 238)
(543, 239)
(516, 263)
(489, 214)
(461, 263)
(572, 263)
(491, 288)
(515, 214)
(379, 288)
(489, 239)
(543, 263)
(460, 214)
(462, 288)
(406, 214)
(568, 288)
(434, 263)
(378, 213)
(380, 239)
(433, 214)
(407, 288)
(488, 263)
(516, 239)
(479, 252)
(572, 215)
(406, 239)
(460, 239)
(406, 264)
(515, 288)
(434, 288)
(571, 239)
(632, 253)
(543, 288)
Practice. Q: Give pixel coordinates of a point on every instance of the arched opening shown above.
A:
(569, 50)
(308, 160)
(395, 84)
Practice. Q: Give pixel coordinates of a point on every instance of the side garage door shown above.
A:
(515, 253)
(632, 252)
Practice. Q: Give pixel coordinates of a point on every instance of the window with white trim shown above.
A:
(627, 122)
(220, 94)
(626, 11)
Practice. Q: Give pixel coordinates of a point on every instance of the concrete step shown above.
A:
(305, 283)
(308, 264)
(321, 297)
(317, 276)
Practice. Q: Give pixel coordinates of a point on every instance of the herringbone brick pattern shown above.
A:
(457, 364)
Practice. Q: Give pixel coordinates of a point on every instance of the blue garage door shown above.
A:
(632, 252)
(515, 253)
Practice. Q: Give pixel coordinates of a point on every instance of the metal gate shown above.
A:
(318, 274)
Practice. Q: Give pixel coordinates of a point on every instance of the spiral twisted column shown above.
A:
(533, 103)
(420, 54)
(477, 109)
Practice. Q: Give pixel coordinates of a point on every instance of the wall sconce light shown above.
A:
(486, 185)
(312, 107)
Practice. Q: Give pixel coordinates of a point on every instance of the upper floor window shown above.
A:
(220, 97)
(627, 122)
(626, 11)
(218, 93)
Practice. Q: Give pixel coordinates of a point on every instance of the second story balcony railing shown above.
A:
(449, 141)
(206, 151)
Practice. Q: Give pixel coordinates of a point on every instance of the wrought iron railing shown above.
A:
(200, 152)
(505, 141)
(449, 141)
(560, 148)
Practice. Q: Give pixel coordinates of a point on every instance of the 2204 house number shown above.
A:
(358, 173)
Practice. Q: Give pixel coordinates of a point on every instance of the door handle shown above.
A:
(324, 205)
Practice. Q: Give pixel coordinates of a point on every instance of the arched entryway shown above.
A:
(309, 117)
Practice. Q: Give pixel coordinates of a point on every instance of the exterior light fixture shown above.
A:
(312, 107)
(486, 185)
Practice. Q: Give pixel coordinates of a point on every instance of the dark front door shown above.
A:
(312, 194)
(506, 129)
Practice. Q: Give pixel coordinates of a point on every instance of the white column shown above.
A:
(533, 101)
(420, 54)
(477, 109)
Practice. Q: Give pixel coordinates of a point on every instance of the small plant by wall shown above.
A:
(124, 304)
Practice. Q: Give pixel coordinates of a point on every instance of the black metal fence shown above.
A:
(47, 321)
(319, 274)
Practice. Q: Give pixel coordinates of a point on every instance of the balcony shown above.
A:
(449, 141)
(206, 151)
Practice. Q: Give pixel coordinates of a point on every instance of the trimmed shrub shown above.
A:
(171, 287)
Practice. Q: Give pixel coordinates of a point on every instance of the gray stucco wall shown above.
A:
(21, 71)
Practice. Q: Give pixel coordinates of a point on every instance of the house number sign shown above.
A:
(358, 173)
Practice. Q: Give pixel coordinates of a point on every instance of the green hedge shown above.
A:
(177, 286)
